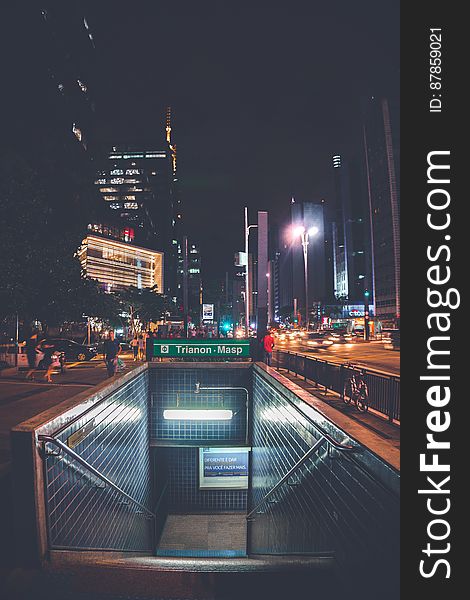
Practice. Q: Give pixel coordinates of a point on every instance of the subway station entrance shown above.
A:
(203, 480)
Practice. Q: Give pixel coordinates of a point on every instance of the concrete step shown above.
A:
(100, 576)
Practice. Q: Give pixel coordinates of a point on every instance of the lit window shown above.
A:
(108, 189)
(117, 180)
(132, 172)
(110, 198)
(128, 197)
(82, 86)
(132, 205)
(77, 131)
(115, 205)
(117, 172)
(100, 181)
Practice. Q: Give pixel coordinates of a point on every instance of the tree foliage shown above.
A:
(144, 304)
(40, 274)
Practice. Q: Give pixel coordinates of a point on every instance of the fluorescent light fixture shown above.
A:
(197, 414)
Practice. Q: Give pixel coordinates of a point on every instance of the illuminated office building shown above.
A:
(118, 265)
(381, 145)
(350, 241)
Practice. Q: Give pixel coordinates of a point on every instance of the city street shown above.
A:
(367, 354)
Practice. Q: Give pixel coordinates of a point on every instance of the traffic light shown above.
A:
(367, 293)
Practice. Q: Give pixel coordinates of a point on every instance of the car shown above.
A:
(340, 337)
(391, 339)
(318, 339)
(73, 350)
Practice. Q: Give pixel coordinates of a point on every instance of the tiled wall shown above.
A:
(337, 505)
(82, 512)
(170, 388)
(181, 465)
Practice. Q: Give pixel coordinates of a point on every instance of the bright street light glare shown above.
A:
(313, 231)
(298, 231)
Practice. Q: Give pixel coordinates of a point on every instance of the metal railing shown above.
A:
(310, 452)
(82, 514)
(384, 390)
(64, 448)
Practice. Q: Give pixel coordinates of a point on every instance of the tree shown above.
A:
(144, 304)
(40, 274)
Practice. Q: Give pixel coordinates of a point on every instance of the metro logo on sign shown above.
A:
(164, 349)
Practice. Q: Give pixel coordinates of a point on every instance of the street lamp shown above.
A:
(304, 234)
(247, 274)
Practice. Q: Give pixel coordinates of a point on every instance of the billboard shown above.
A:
(223, 468)
(207, 312)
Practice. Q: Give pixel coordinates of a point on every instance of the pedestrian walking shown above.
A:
(32, 353)
(149, 346)
(141, 346)
(135, 347)
(268, 345)
(49, 361)
(111, 350)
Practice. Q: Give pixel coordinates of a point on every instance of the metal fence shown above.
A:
(97, 475)
(384, 390)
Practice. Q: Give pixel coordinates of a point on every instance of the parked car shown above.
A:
(73, 350)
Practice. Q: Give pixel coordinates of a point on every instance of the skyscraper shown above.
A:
(137, 188)
(52, 89)
(349, 233)
(189, 278)
(381, 147)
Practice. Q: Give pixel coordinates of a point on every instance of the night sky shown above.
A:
(262, 95)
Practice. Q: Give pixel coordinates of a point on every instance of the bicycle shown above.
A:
(355, 390)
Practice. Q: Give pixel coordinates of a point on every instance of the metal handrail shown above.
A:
(299, 463)
(51, 440)
(315, 425)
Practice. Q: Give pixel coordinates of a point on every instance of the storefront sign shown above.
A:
(201, 348)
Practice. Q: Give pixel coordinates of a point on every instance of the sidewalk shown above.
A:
(375, 431)
(21, 399)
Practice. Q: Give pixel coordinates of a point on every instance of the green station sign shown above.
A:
(201, 348)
